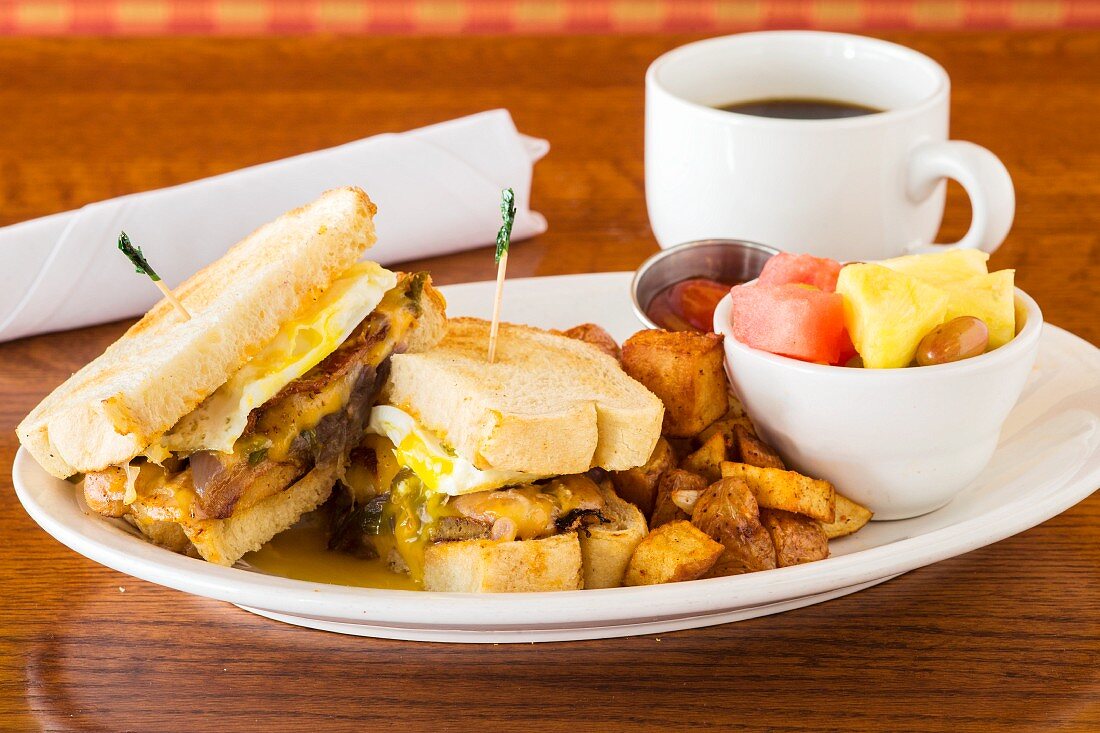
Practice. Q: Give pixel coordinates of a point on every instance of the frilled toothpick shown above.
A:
(504, 238)
(137, 259)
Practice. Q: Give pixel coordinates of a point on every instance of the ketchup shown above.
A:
(688, 305)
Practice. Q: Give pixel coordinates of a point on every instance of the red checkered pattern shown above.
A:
(258, 17)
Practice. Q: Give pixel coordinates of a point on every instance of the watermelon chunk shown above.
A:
(786, 268)
(789, 320)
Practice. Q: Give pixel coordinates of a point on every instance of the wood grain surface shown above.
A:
(1006, 638)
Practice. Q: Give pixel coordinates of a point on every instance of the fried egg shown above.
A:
(299, 346)
(438, 467)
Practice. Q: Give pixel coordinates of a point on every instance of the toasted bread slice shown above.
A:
(164, 366)
(594, 557)
(487, 566)
(224, 541)
(431, 324)
(548, 404)
(606, 549)
(163, 511)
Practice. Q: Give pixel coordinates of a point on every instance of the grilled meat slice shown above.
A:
(219, 486)
(224, 480)
(457, 529)
(285, 439)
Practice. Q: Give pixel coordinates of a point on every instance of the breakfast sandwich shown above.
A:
(212, 434)
(492, 476)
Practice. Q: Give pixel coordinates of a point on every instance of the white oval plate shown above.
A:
(1047, 461)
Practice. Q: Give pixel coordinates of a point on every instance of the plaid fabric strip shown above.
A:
(260, 17)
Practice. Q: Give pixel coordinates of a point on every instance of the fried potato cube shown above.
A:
(797, 539)
(105, 491)
(673, 480)
(592, 334)
(775, 488)
(754, 451)
(158, 515)
(113, 491)
(639, 485)
(672, 553)
(728, 513)
(685, 369)
(850, 517)
(725, 427)
(707, 460)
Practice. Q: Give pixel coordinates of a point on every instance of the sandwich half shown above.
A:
(479, 476)
(213, 434)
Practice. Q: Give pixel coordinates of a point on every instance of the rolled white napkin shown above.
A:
(437, 189)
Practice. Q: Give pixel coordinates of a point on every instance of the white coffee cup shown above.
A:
(854, 188)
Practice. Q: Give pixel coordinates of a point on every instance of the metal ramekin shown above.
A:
(725, 260)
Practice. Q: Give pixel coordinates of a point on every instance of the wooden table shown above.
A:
(1004, 638)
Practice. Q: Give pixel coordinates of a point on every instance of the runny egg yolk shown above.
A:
(439, 468)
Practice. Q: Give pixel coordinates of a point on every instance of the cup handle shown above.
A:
(987, 183)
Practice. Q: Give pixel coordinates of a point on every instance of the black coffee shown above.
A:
(799, 109)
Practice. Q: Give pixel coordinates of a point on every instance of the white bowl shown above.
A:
(902, 442)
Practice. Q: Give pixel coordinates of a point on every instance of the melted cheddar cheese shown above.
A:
(301, 344)
(523, 513)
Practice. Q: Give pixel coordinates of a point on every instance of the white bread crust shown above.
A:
(164, 366)
(548, 404)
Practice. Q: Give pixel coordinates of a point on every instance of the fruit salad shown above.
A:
(918, 310)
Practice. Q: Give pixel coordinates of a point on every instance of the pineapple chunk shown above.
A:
(1021, 316)
(887, 313)
(940, 268)
(991, 298)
